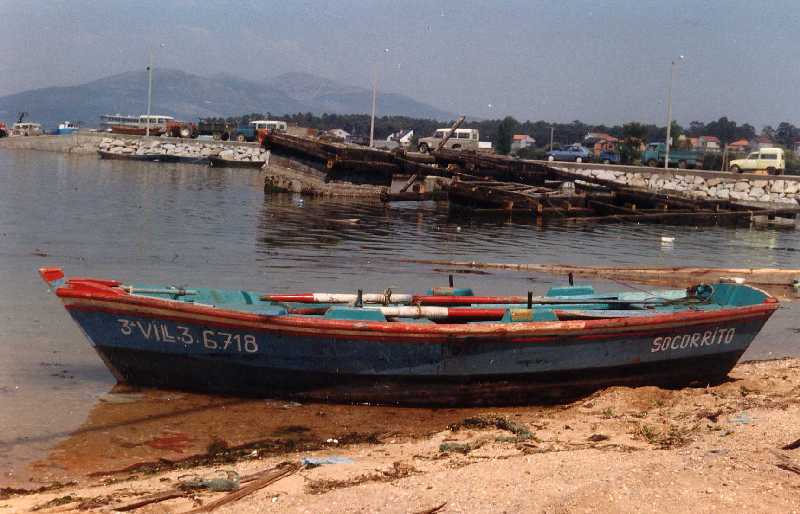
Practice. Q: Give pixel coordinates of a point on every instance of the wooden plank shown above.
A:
(371, 167)
(694, 275)
(694, 217)
(411, 196)
(447, 136)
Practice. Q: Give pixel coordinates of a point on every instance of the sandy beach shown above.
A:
(725, 448)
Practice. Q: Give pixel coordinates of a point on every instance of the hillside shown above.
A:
(188, 96)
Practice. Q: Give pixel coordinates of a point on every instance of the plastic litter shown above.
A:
(313, 462)
(741, 419)
(217, 484)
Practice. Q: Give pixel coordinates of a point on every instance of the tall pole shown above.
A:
(551, 138)
(374, 95)
(149, 89)
(669, 113)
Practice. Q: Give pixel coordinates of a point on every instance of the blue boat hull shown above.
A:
(182, 354)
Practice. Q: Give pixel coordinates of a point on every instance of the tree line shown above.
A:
(500, 131)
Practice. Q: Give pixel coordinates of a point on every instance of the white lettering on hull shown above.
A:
(693, 340)
(211, 339)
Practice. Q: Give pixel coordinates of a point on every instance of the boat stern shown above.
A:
(53, 277)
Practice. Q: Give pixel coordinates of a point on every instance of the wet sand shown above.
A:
(723, 448)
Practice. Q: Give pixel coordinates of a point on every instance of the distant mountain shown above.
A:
(188, 97)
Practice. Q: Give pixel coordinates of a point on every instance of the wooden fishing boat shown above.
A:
(151, 157)
(137, 157)
(445, 347)
(217, 162)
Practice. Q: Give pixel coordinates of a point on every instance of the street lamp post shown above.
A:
(374, 98)
(150, 87)
(669, 111)
(149, 90)
(374, 95)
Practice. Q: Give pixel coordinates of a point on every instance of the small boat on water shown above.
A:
(155, 157)
(217, 162)
(445, 347)
(67, 128)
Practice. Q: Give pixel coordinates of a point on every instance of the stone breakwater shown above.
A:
(185, 149)
(710, 185)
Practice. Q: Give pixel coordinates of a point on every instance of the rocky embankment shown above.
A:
(710, 185)
(184, 149)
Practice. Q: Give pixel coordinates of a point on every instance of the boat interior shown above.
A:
(558, 304)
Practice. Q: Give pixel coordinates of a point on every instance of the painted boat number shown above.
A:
(211, 339)
(696, 340)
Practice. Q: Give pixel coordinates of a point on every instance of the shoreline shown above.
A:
(279, 175)
(729, 446)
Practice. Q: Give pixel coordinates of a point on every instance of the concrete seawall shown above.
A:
(717, 185)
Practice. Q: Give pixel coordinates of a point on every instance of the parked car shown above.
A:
(609, 157)
(250, 131)
(655, 153)
(463, 139)
(574, 153)
(770, 160)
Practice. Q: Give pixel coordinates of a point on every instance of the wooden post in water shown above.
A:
(455, 126)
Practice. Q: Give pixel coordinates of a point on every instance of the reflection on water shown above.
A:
(187, 224)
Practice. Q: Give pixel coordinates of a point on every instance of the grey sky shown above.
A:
(600, 62)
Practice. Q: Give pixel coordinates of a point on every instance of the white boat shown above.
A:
(67, 127)
(26, 128)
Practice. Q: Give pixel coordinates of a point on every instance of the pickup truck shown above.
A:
(770, 160)
(655, 153)
(576, 153)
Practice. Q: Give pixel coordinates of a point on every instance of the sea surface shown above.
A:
(193, 225)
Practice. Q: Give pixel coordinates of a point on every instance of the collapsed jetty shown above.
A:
(483, 183)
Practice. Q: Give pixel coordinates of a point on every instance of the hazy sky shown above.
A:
(600, 62)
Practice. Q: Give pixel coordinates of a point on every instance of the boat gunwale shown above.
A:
(100, 295)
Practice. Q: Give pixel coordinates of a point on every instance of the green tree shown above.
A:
(768, 132)
(786, 134)
(633, 135)
(505, 131)
(723, 128)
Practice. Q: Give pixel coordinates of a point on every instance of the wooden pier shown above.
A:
(488, 183)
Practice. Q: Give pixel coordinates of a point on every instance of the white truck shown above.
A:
(764, 160)
(462, 139)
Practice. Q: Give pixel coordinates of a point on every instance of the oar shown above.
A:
(407, 299)
(177, 291)
(387, 297)
(442, 313)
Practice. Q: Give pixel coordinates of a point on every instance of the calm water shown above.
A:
(184, 224)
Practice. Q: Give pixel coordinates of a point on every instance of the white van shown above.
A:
(463, 139)
(769, 160)
(271, 125)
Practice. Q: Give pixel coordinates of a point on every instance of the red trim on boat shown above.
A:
(107, 291)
